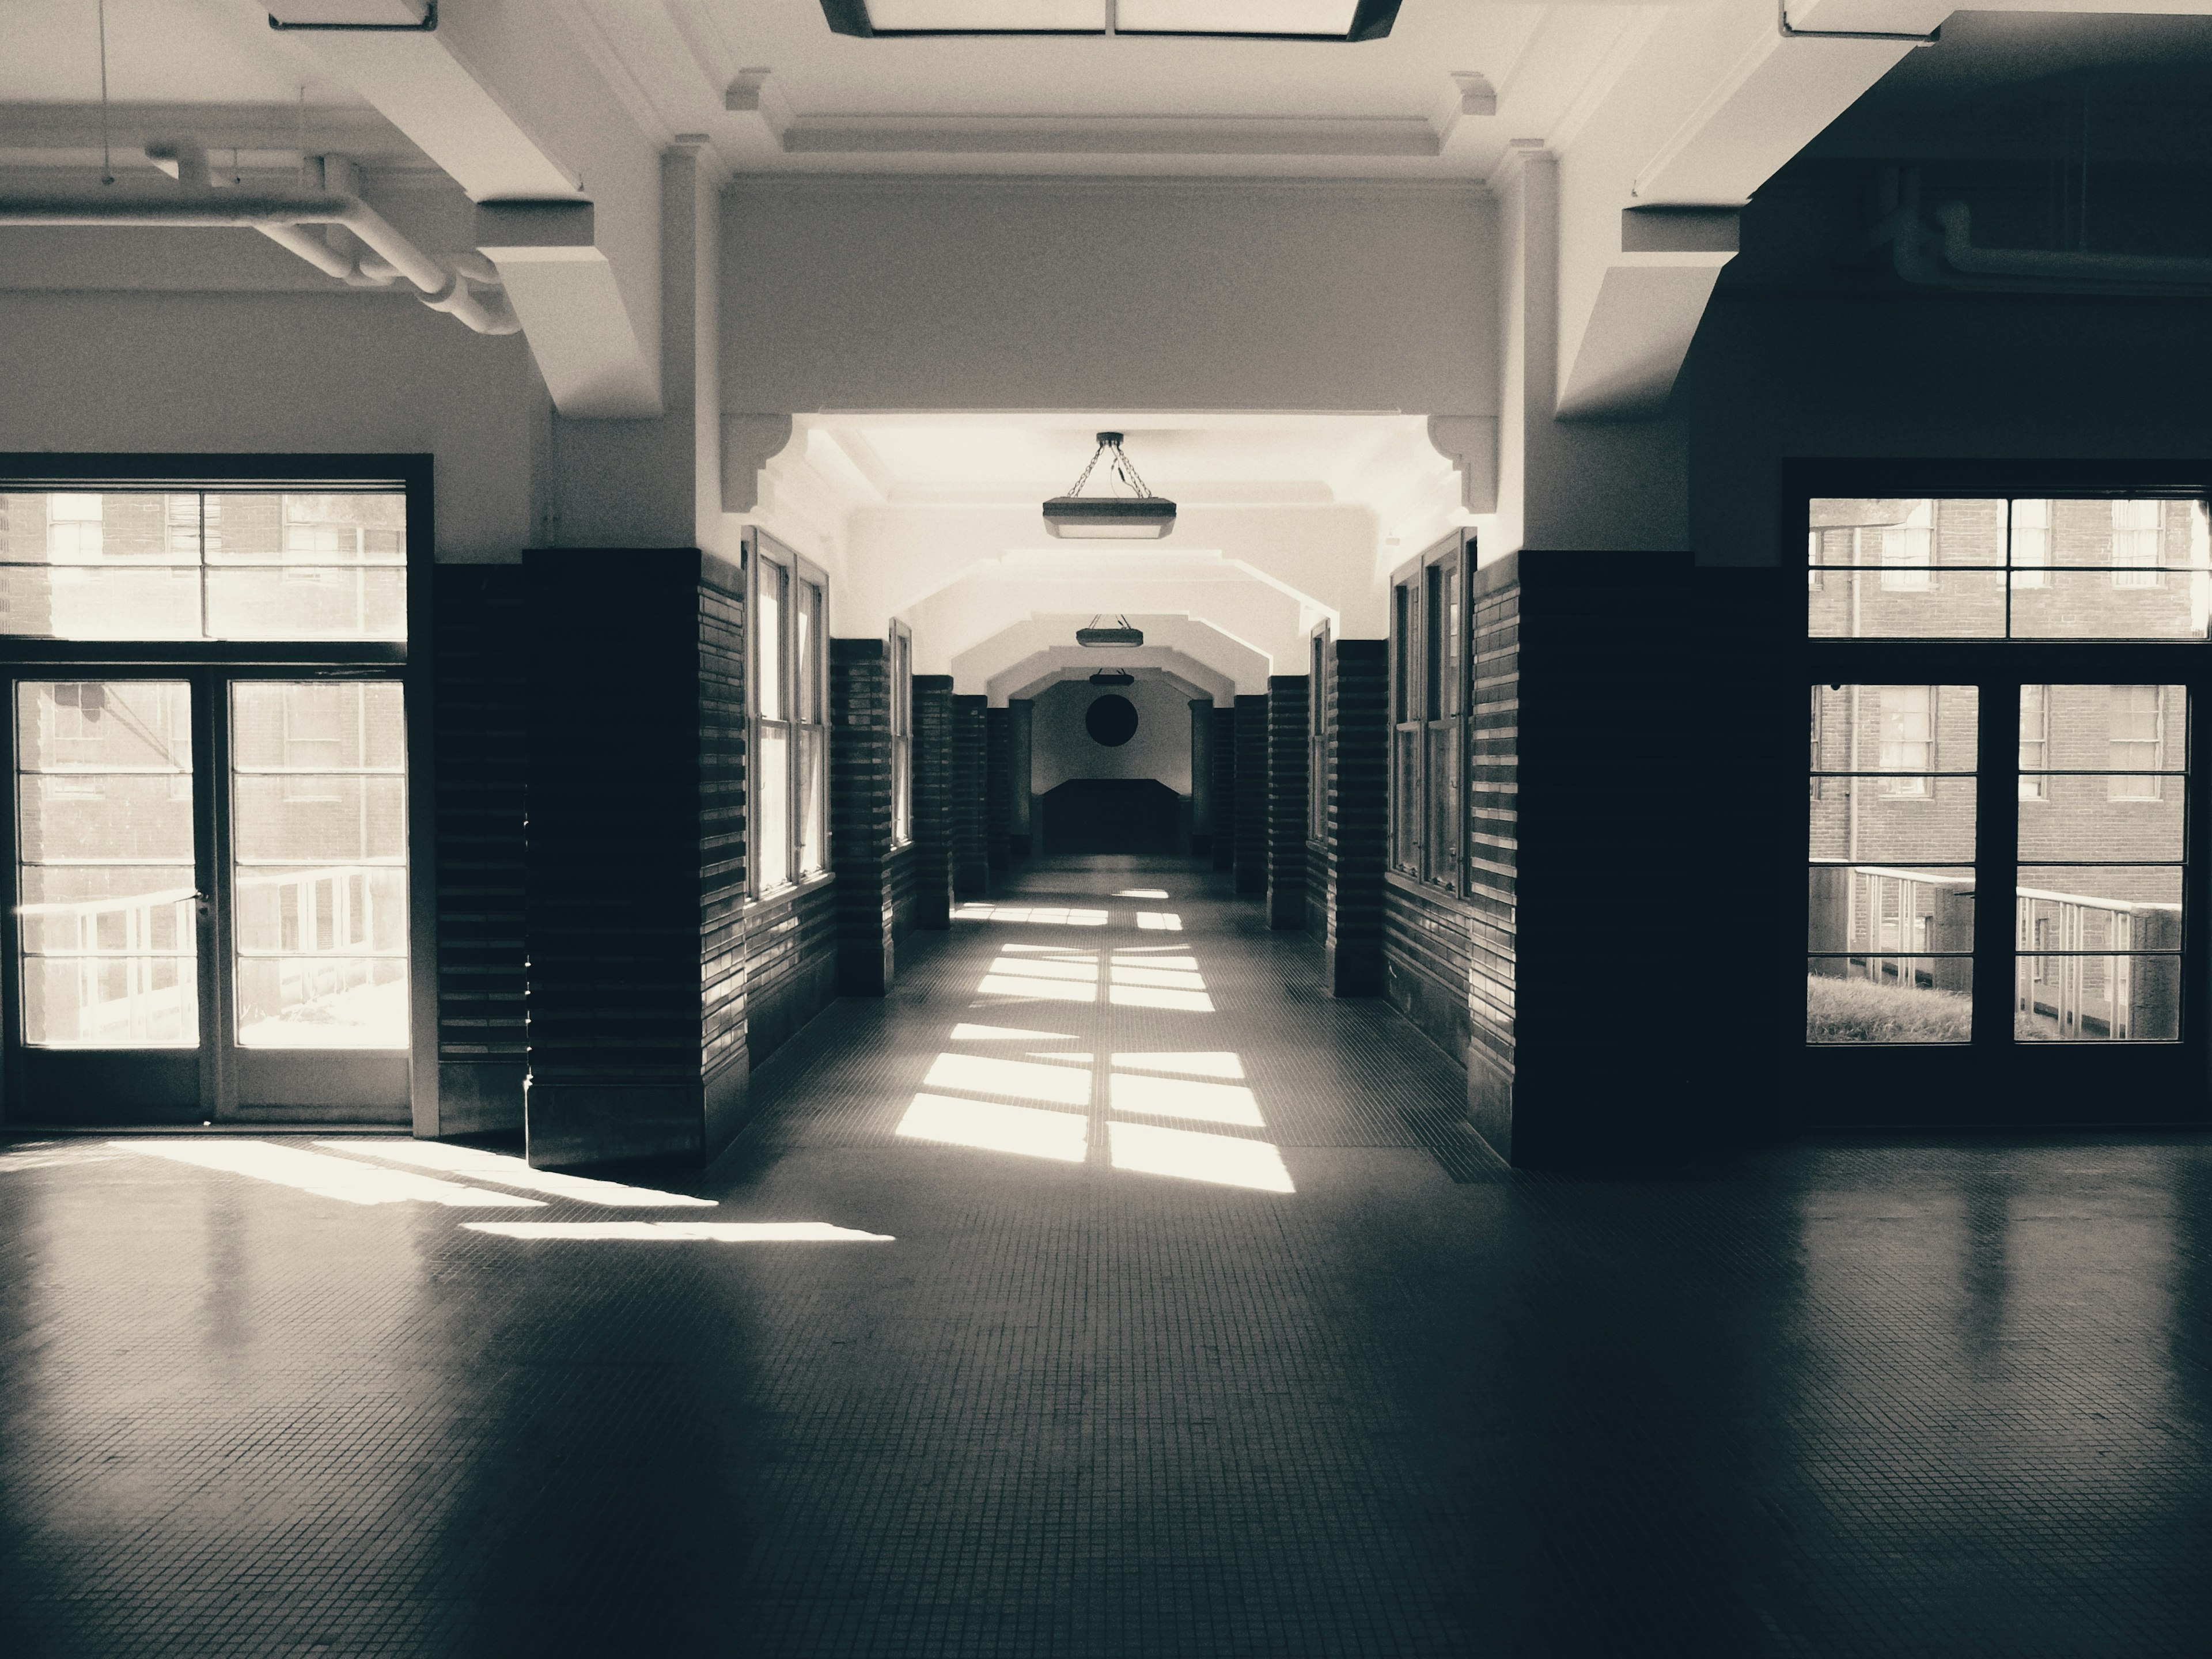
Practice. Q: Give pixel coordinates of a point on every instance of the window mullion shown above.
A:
(1996, 859)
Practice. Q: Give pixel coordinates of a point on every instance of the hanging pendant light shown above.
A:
(1113, 677)
(1107, 639)
(1142, 517)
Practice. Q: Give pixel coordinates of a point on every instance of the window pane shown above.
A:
(1323, 17)
(2097, 605)
(318, 803)
(1890, 888)
(811, 851)
(1443, 803)
(2097, 999)
(2098, 954)
(106, 881)
(991, 15)
(806, 669)
(772, 820)
(767, 640)
(2132, 812)
(1866, 604)
(128, 564)
(1405, 816)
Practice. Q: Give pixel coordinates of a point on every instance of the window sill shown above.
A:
(788, 893)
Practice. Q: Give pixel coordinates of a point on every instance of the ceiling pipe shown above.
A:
(281, 215)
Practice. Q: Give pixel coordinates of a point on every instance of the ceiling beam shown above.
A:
(507, 102)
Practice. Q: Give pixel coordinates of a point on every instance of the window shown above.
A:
(1908, 739)
(234, 564)
(901, 714)
(2034, 742)
(1908, 551)
(2136, 745)
(1991, 567)
(790, 735)
(2031, 544)
(1317, 736)
(2138, 530)
(1428, 658)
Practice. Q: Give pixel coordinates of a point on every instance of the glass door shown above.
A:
(111, 921)
(2001, 884)
(314, 899)
(210, 918)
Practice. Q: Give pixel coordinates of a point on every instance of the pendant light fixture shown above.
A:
(1108, 638)
(1141, 517)
(1113, 677)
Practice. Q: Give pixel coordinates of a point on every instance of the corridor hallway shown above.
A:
(1144, 1300)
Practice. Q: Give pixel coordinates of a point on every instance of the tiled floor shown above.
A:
(1246, 1350)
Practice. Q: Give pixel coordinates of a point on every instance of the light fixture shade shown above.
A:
(1109, 639)
(1114, 675)
(1110, 518)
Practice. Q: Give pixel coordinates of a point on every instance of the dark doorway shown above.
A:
(1111, 815)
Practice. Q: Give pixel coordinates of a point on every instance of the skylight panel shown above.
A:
(1232, 20)
(1320, 18)
(984, 17)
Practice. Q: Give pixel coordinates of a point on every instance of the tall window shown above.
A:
(1428, 692)
(1317, 736)
(1909, 549)
(2034, 742)
(2031, 544)
(790, 735)
(2138, 530)
(901, 713)
(1908, 739)
(2136, 745)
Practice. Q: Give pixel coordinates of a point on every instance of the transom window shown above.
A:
(2081, 567)
(204, 564)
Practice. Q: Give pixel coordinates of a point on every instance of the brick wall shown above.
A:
(860, 813)
(932, 800)
(481, 725)
(998, 787)
(1224, 788)
(1251, 762)
(635, 871)
(1359, 770)
(1287, 767)
(971, 869)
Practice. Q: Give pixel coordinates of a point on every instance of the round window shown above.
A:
(1110, 720)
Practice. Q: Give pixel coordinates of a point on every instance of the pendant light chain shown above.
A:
(1122, 468)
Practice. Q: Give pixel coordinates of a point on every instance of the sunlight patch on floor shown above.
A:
(325, 1177)
(966, 1033)
(1142, 892)
(483, 1165)
(1176, 1097)
(1043, 916)
(991, 1128)
(1159, 921)
(983, 1075)
(1189, 1155)
(664, 1232)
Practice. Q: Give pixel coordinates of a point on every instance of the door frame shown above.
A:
(1993, 1081)
(209, 665)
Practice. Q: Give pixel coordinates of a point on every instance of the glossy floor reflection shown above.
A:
(1089, 1387)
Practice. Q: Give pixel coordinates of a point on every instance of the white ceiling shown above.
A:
(1197, 459)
